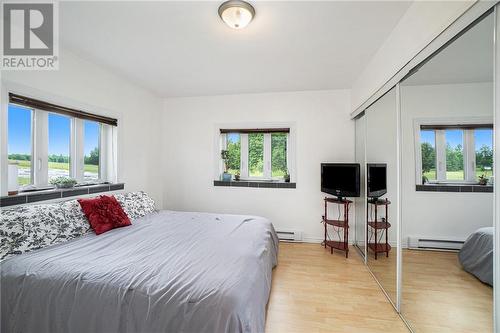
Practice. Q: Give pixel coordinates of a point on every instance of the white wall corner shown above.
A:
(422, 22)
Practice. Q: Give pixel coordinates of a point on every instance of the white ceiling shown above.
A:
(469, 59)
(184, 49)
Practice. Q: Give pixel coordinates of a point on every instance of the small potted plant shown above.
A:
(286, 177)
(226, 176)
(425, 180)
(63, 182)
(237, 176)
(483, 180)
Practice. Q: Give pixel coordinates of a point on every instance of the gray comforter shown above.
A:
(476, 255)
(168, 272)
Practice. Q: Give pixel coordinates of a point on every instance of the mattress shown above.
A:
(168, 272)
(476, 255)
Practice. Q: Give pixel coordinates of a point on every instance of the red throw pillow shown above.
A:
(104, 213)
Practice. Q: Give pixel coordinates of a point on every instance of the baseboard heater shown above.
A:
(289, 235)
(430, 243)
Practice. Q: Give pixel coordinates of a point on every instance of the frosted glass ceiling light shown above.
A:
(236, 14)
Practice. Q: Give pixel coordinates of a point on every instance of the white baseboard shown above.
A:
(314, 240)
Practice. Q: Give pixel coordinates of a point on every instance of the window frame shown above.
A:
(469, 153)
(40, 145)
(71, 152)
(221, 143)
(32, 140)
(109, 138)
(267, 157)
(81, 165)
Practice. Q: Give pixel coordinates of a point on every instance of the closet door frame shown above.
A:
(362, 252)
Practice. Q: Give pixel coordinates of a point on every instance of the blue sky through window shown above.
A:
(428, 136)
(483, 137)
(59, 134)
(19, 127)
(454, 137)
(233, 137)
(91, 134)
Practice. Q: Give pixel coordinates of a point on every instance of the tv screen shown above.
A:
(340, 179)
(377, 180)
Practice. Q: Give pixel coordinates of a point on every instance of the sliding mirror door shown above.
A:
(381, 192)
(360, 202)
(446, 183)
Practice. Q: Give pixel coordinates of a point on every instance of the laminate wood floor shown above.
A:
(439, 296)
(315, 291)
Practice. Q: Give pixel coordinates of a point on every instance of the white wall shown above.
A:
(80, 83)
(324, 133)
(422, 22)
(436, 213)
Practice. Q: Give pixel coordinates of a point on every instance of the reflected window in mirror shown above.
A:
(454, 148)
(455, 154)
(483, 139)
(428, 151)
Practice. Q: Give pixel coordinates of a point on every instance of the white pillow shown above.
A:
(136, 204)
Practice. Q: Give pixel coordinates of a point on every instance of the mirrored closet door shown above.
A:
(446, 186)
(381, 204)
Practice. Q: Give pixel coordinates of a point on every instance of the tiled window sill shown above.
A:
(454, 188)
(259, 184)
(29, 197)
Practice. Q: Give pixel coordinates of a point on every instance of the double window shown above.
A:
(455, 153)
(45, 141)
(260, 154)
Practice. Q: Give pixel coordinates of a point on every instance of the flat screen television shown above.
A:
(340, 179)
(376, 180)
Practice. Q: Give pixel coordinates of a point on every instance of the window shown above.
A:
(91, 150)
(428, 149)
(59, 143)
(46, 141)
(20, 142)
(278, 155)
(455, 153)
(256, 154)
(483, 139)
(234, 153)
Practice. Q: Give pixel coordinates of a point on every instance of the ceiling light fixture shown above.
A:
(236, 14)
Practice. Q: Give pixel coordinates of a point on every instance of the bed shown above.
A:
(476, 255)
(168, 272)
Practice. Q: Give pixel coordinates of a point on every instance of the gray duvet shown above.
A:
(168, 272)
(476, 255)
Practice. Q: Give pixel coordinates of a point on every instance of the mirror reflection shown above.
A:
(381, 178)
(447, 196)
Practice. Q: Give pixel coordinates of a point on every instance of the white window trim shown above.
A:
(41, 148)
(244, 173)
(220, 143)
(468, 144)
(78, 150)
(37, 179)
